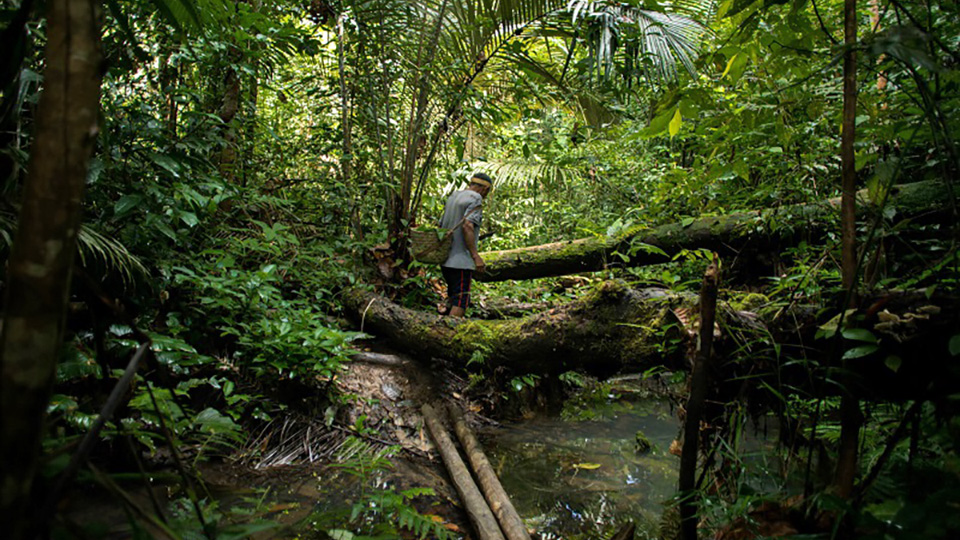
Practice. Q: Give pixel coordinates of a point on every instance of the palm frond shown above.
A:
(528, 173)
(666, 39)
(92, 246)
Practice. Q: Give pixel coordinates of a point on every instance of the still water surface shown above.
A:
(581, 479)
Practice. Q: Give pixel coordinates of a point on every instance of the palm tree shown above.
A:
(413, 64)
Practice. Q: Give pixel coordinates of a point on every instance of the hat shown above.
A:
(482, 179)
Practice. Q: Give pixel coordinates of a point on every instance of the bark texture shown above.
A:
(607, 329)
(726, 235)
(480, 515)
(38, 275)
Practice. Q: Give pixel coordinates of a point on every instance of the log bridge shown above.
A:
(613, 328)
(491, 513)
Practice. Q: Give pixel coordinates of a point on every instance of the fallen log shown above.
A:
(380, 359)
(510, 522)
(609, 328)
(616, 329)
(477, 510)
(726, 235)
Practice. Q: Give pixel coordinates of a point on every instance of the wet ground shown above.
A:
(575, 475)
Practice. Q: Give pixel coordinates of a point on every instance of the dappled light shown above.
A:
(490, 270)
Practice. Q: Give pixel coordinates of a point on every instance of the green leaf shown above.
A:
(126, 204)
(954, 345)
(893, 362)
(212, 421)
(660, 122)
(189, 219)
(675, 123)
(729, 65)
(165, 229)
(859, 334)
(166, 162)
(859, 352)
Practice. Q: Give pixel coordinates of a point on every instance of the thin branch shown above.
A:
(892, 442)
(822, 25)
(928, 31)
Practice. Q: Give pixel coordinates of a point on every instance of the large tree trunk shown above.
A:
(609, 328)
(38, 276)
(726, 235)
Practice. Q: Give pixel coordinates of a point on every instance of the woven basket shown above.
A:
(430, 246)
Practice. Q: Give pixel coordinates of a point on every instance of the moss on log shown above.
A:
(607, 329)
(726, 235)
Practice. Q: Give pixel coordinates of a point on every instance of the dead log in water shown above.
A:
(513, 527)
(478, 511)
(767, 230)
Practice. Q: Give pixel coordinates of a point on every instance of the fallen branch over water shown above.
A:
(726, 235)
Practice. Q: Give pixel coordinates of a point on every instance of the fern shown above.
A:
(528, 172)
(383, 507)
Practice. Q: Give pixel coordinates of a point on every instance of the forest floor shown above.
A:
(301, 468)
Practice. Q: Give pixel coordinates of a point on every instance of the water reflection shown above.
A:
(573, 479)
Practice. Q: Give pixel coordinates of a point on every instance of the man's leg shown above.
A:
(461, 286)
(449, 277)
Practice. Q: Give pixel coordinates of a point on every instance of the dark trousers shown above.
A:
(458, 286)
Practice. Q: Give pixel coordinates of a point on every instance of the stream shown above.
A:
(579, 474)
(570, 478)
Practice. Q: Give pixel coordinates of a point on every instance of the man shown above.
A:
(464, 259)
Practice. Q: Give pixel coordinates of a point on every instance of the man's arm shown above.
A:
(470, 238)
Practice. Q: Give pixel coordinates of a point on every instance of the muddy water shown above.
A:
(581, 479)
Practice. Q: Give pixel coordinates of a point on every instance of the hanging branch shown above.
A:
(92, 436)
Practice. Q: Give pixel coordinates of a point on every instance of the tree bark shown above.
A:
(609, 328)
(850, 417)
(38, 275)
(229, 107)
(725, 235)
(698, 396)
(477, 509)
(510, 522)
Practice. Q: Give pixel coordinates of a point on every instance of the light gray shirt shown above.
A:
(458, 205)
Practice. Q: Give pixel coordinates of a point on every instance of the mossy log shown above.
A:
(727, 235)
(613, 328)
(609, 328)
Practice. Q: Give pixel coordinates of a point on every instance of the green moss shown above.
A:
(642, 443)
(749, 302)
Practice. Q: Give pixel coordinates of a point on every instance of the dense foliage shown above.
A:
(254, 159)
